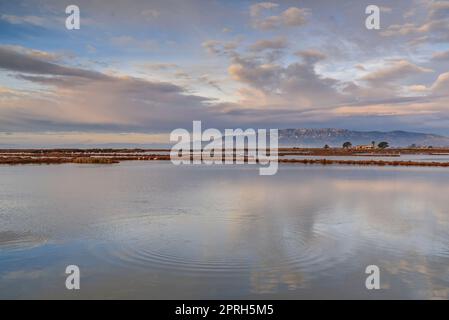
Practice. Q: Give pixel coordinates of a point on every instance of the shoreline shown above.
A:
(380, 163)
(113, 156)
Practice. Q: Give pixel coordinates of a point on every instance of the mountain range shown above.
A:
(303, 137)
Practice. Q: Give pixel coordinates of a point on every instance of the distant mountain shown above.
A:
(336, 137)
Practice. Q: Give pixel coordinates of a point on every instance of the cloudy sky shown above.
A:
(138, 69)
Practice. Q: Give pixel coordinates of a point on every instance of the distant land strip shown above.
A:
(366, 162)
(112, 156)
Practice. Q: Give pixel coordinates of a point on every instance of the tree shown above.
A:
(347, 145)
(326, 146)
(383, 145)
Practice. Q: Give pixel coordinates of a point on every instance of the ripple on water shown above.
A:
(168, 248)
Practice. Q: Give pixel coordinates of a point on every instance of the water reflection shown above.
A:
(152, 230)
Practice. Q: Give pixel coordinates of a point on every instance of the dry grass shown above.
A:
(94, 160)
(111, 156)
(366, 162)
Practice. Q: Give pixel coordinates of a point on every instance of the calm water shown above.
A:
(152, 230)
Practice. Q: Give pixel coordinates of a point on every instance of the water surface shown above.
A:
(151, 230)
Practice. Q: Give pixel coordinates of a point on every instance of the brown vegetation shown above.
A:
(366, 162)
(111, 156)
(94, 160)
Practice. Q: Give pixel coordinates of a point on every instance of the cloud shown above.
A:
(269, 83)
(38, 54)
(6, 92)
(30, 62)
(85, 99)
(395, 78)
(260, 45)
(441, 56)
(273, 95)
(417, 88)
(218, 47)
(292, 86)
(261, 76)
(298, 75)
(213, 83)
(441, 85)
(91, 101)
(311, 56)
(291, 17)
(294, 16)
(212, 46)
(439, 9)
(256, 9)
(395, 70)
(122, 105)
(412, 29)
(76, 139)
(182, 74)
(160, 66)
(434, 28)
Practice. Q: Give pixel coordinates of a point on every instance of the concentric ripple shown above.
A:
(165, 246)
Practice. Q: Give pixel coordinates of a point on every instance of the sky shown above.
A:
(136, 70)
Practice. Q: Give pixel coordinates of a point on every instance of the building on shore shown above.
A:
(364, 147)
